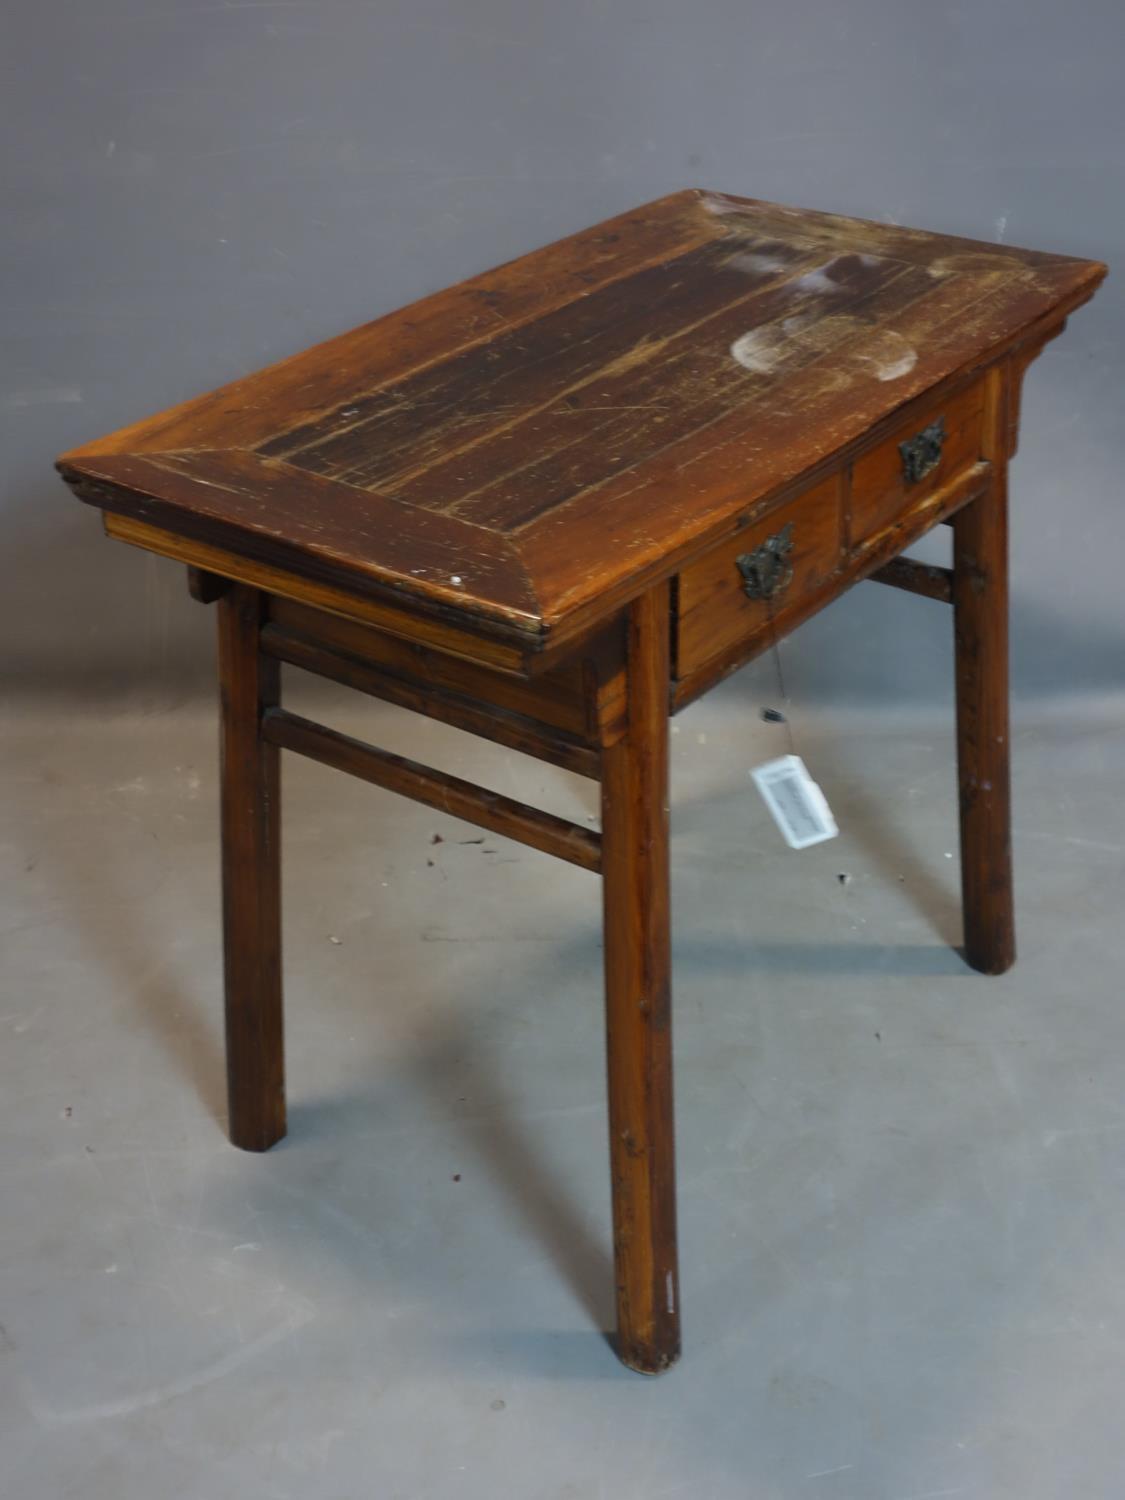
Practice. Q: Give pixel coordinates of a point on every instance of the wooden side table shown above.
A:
(556, 503)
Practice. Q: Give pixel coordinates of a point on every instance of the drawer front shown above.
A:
(753, 582)
(921, 456)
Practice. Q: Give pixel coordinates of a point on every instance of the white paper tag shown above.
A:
(798, 805)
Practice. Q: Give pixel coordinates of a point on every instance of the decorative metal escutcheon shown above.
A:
(767, 570)
(921, 454)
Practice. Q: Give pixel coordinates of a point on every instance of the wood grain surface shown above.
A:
(638, 999)
(714, 612)
(520, 455)
(980, 620)
(249, 685)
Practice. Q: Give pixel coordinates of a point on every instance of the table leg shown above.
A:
(980, 609)
(249, 683)
(638, 1000)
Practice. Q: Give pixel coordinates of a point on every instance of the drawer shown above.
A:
(923, 455)
(755, 581)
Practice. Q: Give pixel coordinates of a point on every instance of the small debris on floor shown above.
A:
(844, 878)
(335, 940)
(68, 1112)
(498, 1405)
(456, 1177)
(470, 841)
(436, 838)
(773, 716)
(878, 1038)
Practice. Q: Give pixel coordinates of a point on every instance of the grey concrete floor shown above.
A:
(902, 1185)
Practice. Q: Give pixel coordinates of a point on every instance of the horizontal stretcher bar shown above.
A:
(460, 799)
(916, 578)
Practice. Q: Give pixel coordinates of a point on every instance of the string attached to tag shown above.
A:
(798, 806)
(775, 649)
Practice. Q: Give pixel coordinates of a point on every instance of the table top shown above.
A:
(524, 452)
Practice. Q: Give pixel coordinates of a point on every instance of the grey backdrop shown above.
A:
(193, 189)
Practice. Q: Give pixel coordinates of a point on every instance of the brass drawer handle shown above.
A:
(921, 454)
(767, 570)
